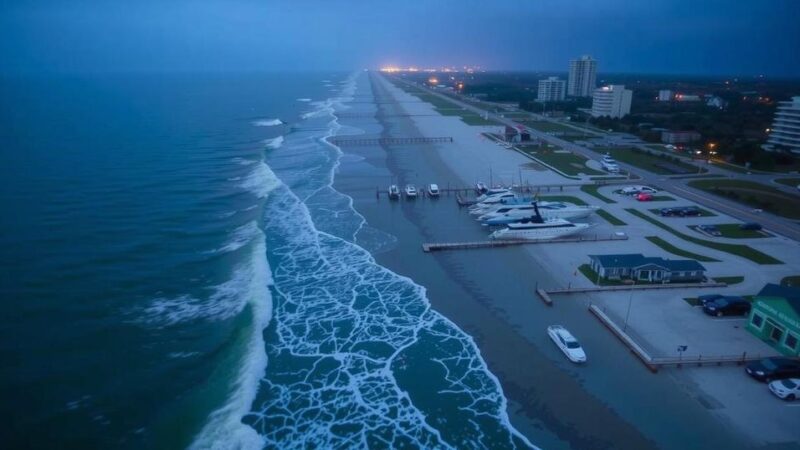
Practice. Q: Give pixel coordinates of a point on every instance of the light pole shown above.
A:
(628, 313)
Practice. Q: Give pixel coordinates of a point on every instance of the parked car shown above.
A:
(689, 211)
(769, 369)
(787, 389)
(666, 212)
(634, 190)
(750, 226)
(703, 299)
(727, 306)
(710, 229)
(644, 197)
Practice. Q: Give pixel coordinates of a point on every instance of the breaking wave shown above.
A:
(273, 143)
(267, 122)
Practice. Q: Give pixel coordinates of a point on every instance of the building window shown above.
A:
(758, 321)
(791, 341)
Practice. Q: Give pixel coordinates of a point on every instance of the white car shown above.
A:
(788, 389)
(567, 343)
(611, 167)
(633, 190)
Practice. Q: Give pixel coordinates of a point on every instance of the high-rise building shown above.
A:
(551, 90)
(582, 74)
(611, 101)
(785, 131)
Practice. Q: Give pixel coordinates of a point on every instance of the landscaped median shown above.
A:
(753, 194)
(591, 189)
(669, 248)
(613, 220)
(563, 160)
(734, 249)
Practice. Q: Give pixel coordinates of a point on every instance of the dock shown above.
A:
(654, 364)
(433, 247)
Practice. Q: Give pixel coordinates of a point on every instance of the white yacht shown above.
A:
(411, 191)
(567, 343)
(535, 230)
(494, 192)
(496, 201)
(548, 210)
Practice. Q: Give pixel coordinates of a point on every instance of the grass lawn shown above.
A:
(591, 189)
(650, 162)
(611, 178)
(734, 249)
(729, 280)
(753, 194)
(613, 220)
(793, 280)
(789, 181)
(703, 212)
(732, 230)
(550, 127)
(562, 198)
(569, 163)
(669, 248)
(474, 119)
(662, 198)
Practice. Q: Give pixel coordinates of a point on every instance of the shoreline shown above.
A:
(544, 411)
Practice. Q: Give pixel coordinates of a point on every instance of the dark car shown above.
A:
(750, 226)
(727, 306)
(770, 369)
(703, 299)
(689, 212)
(710, 229)
(668, 212)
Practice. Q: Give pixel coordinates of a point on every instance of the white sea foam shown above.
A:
(243, 161)
(267, 122)
(260, 181)
(304, 100)
(240, 237)
(274, 143)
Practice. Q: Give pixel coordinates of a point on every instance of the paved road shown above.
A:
(680, 187)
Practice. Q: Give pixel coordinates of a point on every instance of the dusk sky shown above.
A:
(653, 36)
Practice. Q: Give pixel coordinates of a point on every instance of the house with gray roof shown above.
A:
(638, 267)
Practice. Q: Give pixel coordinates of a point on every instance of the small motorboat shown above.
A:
(567, 343)
(394, 192)
(433, 190)
(411, 191)
(480, 188)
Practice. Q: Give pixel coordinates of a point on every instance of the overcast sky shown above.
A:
(645, 36)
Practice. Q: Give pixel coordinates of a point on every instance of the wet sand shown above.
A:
(612, 402)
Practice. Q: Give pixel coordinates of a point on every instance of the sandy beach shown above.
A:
(613, 402)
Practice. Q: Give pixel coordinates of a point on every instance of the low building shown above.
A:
(516, 134)
(552, 89)
(638, 267)
(716, 102)
(775, 318)
(679, 137)
(665, 95)
(611, 101)
(785, 131)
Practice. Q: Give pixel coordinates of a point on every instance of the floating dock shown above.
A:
(433, 247)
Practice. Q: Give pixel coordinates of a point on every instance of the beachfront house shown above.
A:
(775, 318)
(638, 267)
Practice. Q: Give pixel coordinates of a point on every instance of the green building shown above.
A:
(775, 318)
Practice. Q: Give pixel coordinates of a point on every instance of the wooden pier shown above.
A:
(433, 247)
(653, 364)
(342, 142)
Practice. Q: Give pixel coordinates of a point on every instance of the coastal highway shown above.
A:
(680, 187)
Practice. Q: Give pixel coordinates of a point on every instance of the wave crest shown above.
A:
(267, 122)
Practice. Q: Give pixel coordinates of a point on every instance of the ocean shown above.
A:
(178, 271)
